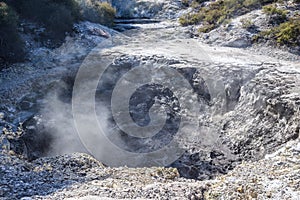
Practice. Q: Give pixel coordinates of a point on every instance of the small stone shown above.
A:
(26, 198)
(269, 194)
(2, 115)
(240, 189)
(193, 197)
(297, 147)
(253, 194)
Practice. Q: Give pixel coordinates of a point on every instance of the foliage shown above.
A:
(276, 15)
(220, 11)
(97, 12)
(106, 13)
(8, 15)
(11, 46)
(273, 10)
(287, 33)
(206, 28)
(284, 31)
(58, 16)
(185, 2)
(246, 23)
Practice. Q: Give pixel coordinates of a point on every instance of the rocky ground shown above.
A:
(245, 147)
(80, 176)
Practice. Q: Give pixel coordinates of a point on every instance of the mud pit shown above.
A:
(247, 103)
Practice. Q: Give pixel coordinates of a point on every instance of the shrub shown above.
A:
(185, 2)
(190, 19)
(220, 11)
(287, 33)
(200, 1)
(106, 13)
(7, 15)
(247, 23)
(98, 12)
(59, 21)
(58, 16)
(206, 28)
(71, 5)
(273, 10)
(276, 15)
(11, 46)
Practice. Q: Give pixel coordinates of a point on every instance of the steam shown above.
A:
(84, 134)
(59, 122)
(77, 123)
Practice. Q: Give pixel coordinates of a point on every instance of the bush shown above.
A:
(287, 33)
(273, 10)
(276, 15)
(220, 11)
(206, 28)
(98, 12)
(71, 5)
(58, 16)
(106, 13)
(185, 2)
(11, 46)
(247, 23)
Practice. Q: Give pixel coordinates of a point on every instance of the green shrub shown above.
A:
(59, 22)
(206, 28)
(276, 15)
(255, 4)
(58, 16)
(273, 10)
(98, 12)
(185, 2)
(220, 11)
(71, 5)
(106, 13)
(246, 23)
(11, 46)
(8, 15)
(190, 19)
(193, 3)
(287, 33)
